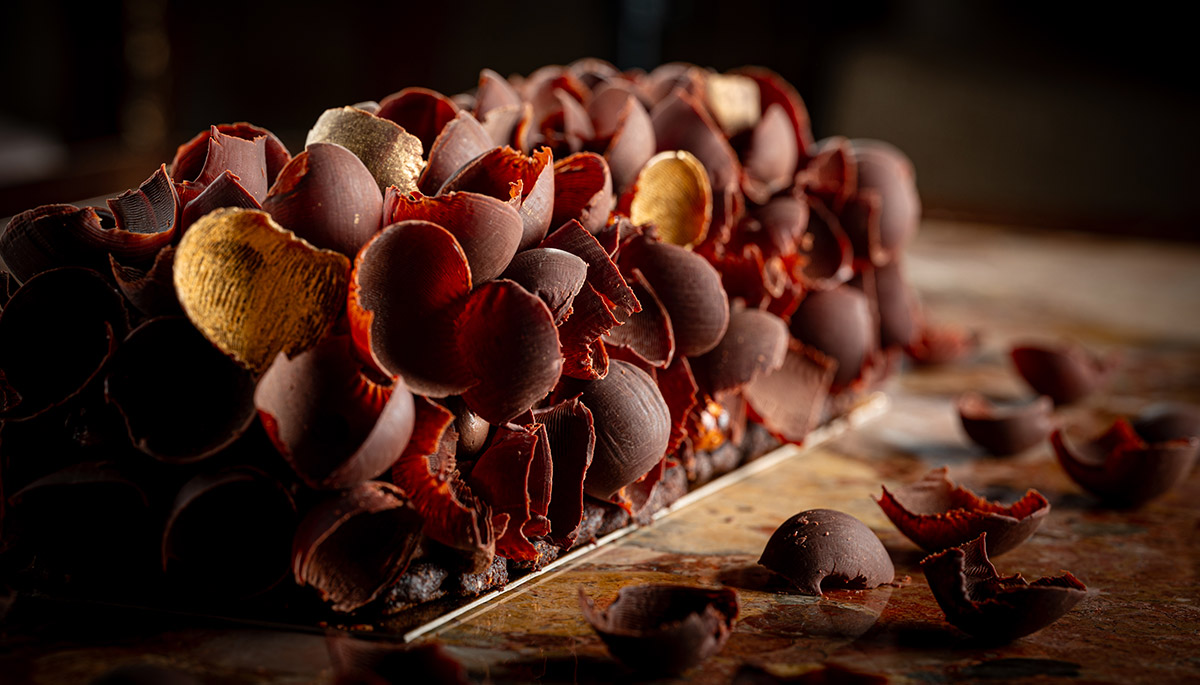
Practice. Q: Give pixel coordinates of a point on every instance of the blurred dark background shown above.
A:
(1047, 114)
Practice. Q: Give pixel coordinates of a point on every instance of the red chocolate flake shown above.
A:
(514, 476)
(508, 175)
(583, 190)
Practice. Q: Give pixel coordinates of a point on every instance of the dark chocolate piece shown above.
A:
(461, 140)
(755, 344)
(1005, 427)
(419, 111)
(826, 548)
(553, 275)
(583, 190)
(1123, 469)
(1066, 372)
(632, 424)
(1167, 421)
(487, 230)
(839, 324)
(525, 182)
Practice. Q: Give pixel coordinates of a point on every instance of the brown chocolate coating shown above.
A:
(837, 322)
(1005, 428)
(1121, 468)
(1066, 372)
(632, 424)
(823, 547)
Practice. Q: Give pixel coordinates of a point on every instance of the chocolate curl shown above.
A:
(647, 333)
(335, 426)
(885, 170)
(937, 514)
(674, 194)
(755, 344)
(487, 230)
(583, 191)
(979, 601)
(412, 275)
(1121, 469)
(391, 154)
(494, 92)
(831, 176)
(224, 192)
(663, 629)
(461, 140)
(351, 547)
(826, 548)
(200, 407)
(774, 90)
(420, 111)
(553, 275)
(788, 402)
(633, 426)
(245, 158)
(254, 289)
(571, 435)
(1005, 428)
(510, 344)
(328, 197)
(827, 251)
(839, 324)
(237, 518)
(58, 330)
(514, 476)
(453, 516)
(190, 157)
(770, 156)
(506, 174)
(603, 274)
(1066, 372)
(624, 128)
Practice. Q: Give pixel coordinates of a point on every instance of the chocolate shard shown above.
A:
(351, 547)
(773, 89)
(511, 176)
(885, 170)
(789, 400)
(1066, 372)
(494, 92)
(936, 514)
(663, 629)
(226, 191)
(603, 274)
(979, 601)
(1005, 428)
(632, 423)
(245, 158)
(571, 434)
(827, 252)
(823, 548)
(770, 156)
(1122, 468)
(514, 476)
(755, 344)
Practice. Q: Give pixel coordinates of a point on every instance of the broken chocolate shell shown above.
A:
(510, 344)
(411, 276)
(419, 111)
(826, 548)
(632, 424)
(461, 140)
(784, 222)
(58, 330)
(623, 121)
(979, 601)
(553, 275)
(648, 333)
(391, 154)
(202, 405)
(838, 322)
(327, 196)
(583, 190)
(336, 427)
(1066, 372)
(506, 174)
(830, 176)
(352, 546)
(245, 158)
(689, 289)
(514, 476)
(896, 304)
(603, 274)
(225, 191)
(936, 514)
(1005, 428)
(1122, 468)
(254, 289)
(571, 434)
(663, 629)
(789, 400)
(151, 291)
(673, 193)
(228, 534)
(190, 157)
(488, 230)
(755, 344)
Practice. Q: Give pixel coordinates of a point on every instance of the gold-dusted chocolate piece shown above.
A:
(254, 289)
(673, 193)
(392, 154)
(733, 100)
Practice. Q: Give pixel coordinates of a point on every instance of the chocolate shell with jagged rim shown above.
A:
(1005, 427)
(979, 601)
(661, 628)
(526, 181)
(633, 424)
(353, 545)
(514, 476)
(571, 434)
(201, 405)
(1124, 469)
(936, 514)
(191, 156)
(1066, 372)
(826, 249)
(237, 518)
(243, 157)
(226, 191)
(553, 275)
(151, 291)
(583, 190)
(419, 111)
(328, 197)
(487, 230)
(823, 548)
(333, 424)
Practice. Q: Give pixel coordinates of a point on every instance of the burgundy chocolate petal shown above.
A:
(352, 546)
(838, 322)
(335, 426)
(58, 330)
(978, 600)
(770, 156)
(461, 140)
(755, 344)
(553, 275)
(831, 176)
(420, 111)
(826, 548)
(245, 158)
(509, 341)
(789, 400)
(237, 519)
(689, 289)
(774, 90)
(603, 274)
(514, 477)
(1005, 428)
(624, 122)
(204, 402)
(412, 276)
(494, 92)
(647, 333)
(826, 249)
(584, 354)
(190, 157)
(1121, 469)
(327, 196)
(1066, 372)
(633, 426)
(453, 516)
(884, 169)
(665, 79)
(936, 514)
(572, 437)
(583, 190)
(576, 126)
(151, 291)
(497, 174)
(663, 629)
(487, 229)
(224, 191)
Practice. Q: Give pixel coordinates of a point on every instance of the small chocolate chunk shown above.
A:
(826, 547)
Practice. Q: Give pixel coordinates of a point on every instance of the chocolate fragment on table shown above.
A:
(825, 548)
